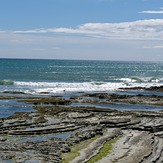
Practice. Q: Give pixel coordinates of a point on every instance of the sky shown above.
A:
(125, 30)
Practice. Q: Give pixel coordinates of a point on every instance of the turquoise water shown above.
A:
(56, 76)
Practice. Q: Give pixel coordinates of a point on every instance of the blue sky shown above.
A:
(82, 29)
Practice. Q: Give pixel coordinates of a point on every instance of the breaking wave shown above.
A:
(58, 87)
(37, 87)
(141, 80)
(61, 87)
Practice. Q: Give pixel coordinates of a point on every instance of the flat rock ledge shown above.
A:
(56, 133)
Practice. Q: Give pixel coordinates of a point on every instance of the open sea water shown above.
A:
(72, 77)
(59, 76)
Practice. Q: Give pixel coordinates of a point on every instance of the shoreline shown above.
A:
(109, 135)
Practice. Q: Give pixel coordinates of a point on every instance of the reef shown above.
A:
(59, 131)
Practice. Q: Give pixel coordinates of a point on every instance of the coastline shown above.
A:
(56, 130)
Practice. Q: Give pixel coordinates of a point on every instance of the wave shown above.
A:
(63, 87)
(6, 82)
(68, 84)
(141, 80)
(60, 87)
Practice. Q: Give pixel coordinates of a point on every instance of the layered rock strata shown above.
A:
(88, 134)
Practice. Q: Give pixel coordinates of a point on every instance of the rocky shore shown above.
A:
(59, 131)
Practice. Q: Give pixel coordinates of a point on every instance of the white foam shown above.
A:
(61, 87)
(128, 80)
(58, 87)
(142, 79)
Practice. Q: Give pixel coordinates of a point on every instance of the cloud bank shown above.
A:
(151, 29)
(137, 40)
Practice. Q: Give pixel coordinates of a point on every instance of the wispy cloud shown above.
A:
(142, 30)
(152, 11)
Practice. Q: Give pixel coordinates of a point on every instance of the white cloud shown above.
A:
(134, 41)
(151, 12)
(151, 29)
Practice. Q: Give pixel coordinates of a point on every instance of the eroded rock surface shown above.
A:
(51, 133)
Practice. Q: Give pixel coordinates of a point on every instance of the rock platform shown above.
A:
(60, 132)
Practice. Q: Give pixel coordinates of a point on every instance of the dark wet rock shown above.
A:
(155, 88)
(43, 92)
(13, 92)
(47, 101)
(152, 88)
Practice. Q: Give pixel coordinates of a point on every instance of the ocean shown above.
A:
(69, 76)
